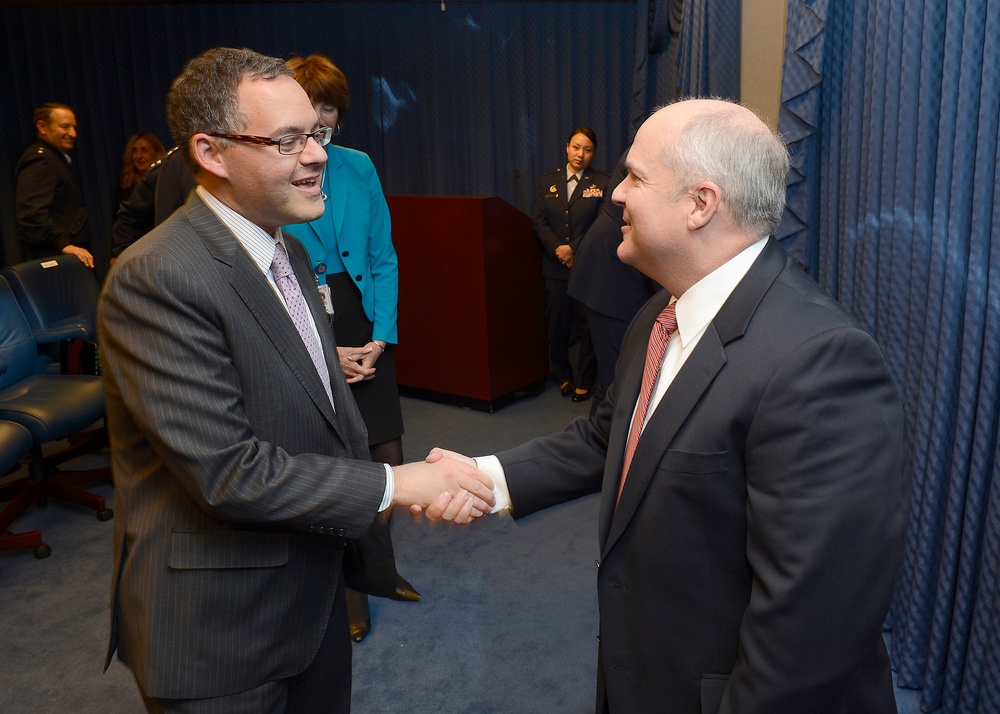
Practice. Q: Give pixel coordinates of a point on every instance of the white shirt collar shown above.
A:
(254, 239)
(571, 172)
(701, 302)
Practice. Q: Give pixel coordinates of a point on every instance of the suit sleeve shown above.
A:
(826, 482)
(135, 215)
(555, 469)
(543, 230)
(382, 259)
(166, 355)
(34, 194)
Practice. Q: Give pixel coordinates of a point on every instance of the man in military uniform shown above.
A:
(49, 207)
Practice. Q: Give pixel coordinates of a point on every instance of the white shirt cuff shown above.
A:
(390, 489)
(490, 465)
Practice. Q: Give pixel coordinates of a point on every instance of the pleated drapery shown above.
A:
(892, 109)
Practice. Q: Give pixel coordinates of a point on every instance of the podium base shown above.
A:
(482, 405)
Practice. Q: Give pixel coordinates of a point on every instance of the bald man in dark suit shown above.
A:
(750, 454)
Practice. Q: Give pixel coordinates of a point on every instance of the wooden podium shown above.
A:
(471, 301)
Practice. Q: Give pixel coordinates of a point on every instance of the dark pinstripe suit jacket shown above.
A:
(236, 482)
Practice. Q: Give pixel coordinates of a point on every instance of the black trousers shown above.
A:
(567, 326)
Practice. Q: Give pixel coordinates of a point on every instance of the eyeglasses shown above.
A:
(289, 144)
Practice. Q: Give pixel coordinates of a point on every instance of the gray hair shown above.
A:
(205, 96)
(747, 160)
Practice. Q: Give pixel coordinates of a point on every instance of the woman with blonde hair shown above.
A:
(141, 150)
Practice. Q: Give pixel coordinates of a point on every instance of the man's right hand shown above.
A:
(82, 253)
(457, 488)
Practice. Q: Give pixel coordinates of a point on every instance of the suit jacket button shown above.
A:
(358, 278)
(346, 253)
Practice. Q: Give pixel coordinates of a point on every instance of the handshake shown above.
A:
(445, 486)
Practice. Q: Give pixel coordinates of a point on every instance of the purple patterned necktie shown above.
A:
(297, 310)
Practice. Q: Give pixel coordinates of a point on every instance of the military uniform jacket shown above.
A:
(48, 203)
(561, 222)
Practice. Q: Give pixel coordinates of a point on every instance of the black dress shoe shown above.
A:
(581, 395)
(360, 629)
(565, 388)
(404, 591)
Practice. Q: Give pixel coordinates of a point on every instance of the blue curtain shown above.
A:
(684, 48)
(473, 100)
(892, 108)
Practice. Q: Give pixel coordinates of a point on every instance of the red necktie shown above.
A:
(659, 338)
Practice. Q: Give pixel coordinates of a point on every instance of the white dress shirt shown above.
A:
(696, 308)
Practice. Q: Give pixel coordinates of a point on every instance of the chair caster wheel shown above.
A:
(106, 515)
(42, 551)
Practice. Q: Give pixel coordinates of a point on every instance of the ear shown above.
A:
(40, 126)
(707, 198)
(206, 153)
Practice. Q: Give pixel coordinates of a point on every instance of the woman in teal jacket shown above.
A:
(350, 247)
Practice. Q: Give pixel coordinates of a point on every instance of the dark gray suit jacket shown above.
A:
(236, 483)
(751, 560)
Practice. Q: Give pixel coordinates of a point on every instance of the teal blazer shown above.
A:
(355, 231)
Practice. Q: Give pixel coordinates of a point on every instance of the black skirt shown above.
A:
(377, 398)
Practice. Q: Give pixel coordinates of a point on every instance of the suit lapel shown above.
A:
(253, 289)
(681, 398)
(342, 396)
(627, 386)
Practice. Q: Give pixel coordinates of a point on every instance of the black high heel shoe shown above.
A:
(404, 591)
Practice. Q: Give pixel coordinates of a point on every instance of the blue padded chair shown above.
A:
(15, 442)
(51, 407)
(58, 296)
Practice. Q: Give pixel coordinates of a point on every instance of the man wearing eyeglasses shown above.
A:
(239, 457)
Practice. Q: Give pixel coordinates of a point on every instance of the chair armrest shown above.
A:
(48, 335)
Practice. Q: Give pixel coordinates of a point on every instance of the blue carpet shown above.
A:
(507, 623)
